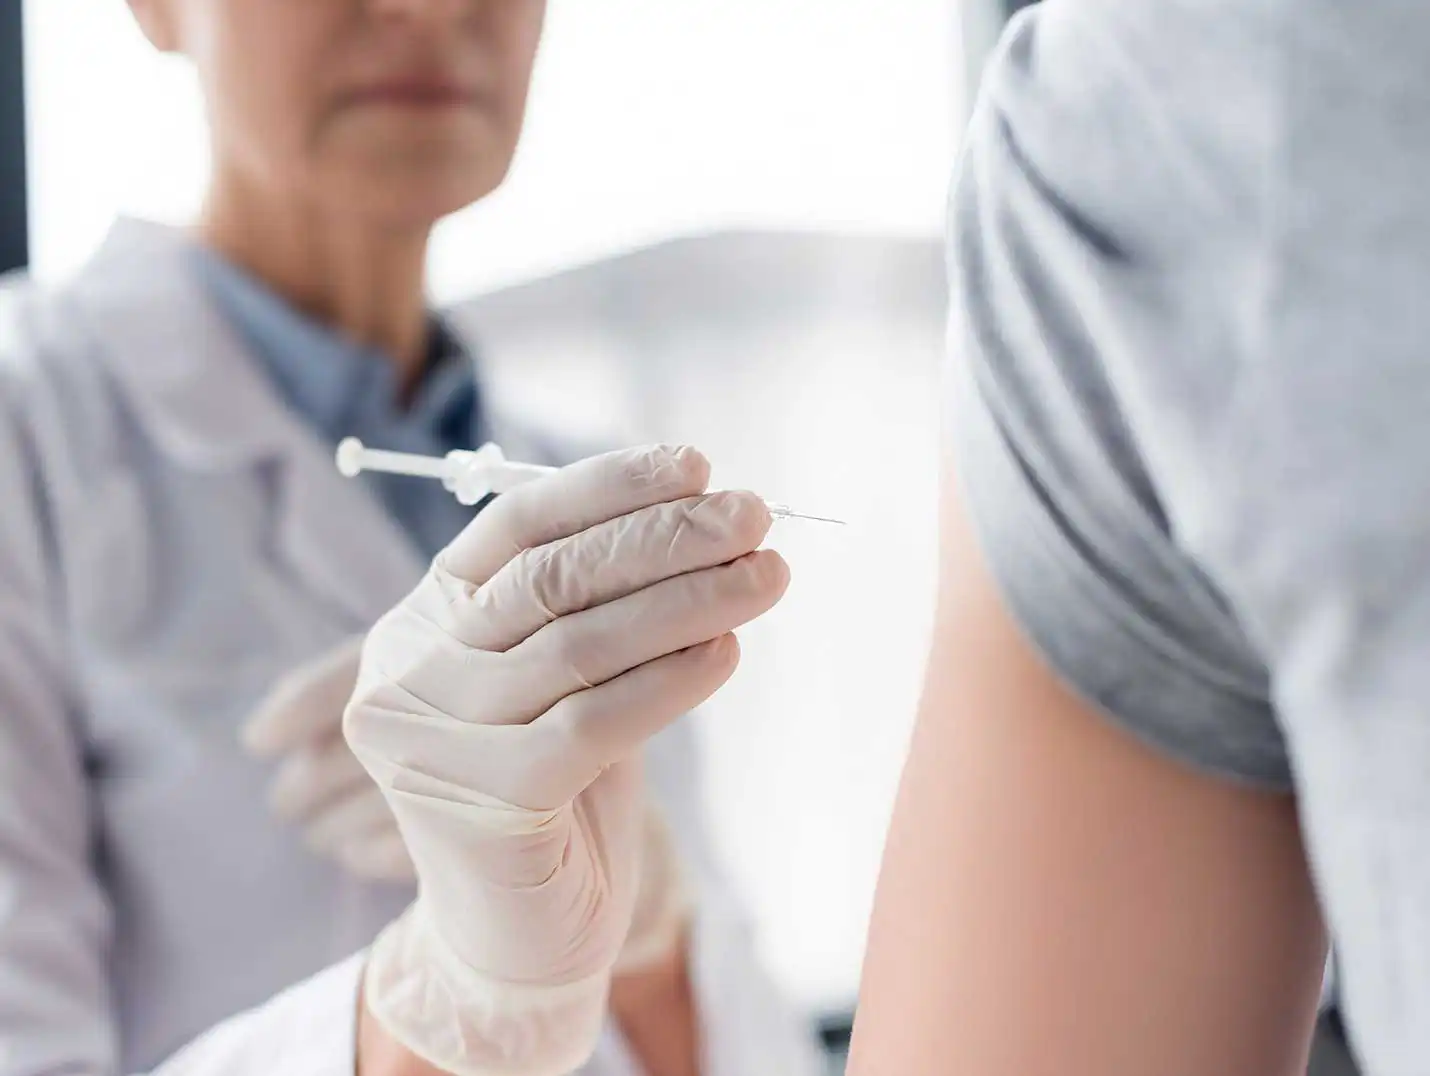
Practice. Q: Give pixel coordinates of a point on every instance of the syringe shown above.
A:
(471, 476)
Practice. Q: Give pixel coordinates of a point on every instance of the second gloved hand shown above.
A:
(501, 708)
(320, 786)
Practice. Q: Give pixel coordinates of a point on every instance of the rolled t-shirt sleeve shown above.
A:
(1050, 304)
(1190, 251)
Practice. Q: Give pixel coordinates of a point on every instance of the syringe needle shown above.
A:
(783, 511)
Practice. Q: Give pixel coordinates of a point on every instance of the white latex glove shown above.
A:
(319, 785)
(500, 707)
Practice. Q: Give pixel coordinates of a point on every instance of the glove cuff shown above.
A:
(468, 1023)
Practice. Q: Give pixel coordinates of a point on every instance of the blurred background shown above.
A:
(649, 119)
(724, 227)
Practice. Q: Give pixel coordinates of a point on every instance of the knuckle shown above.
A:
(442, 584)
(537, 574)
(681, 524)
(561, 740)
(572, 653)
(566, 722)
(574, 733)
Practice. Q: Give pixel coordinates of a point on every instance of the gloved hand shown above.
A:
(320, 786)
(500, 708)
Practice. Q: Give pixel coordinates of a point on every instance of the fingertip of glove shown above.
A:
(728, 653)
(741, 514)
(719, 656)
(693, 464)
(682, 470)
(768, 573)
(777, 567)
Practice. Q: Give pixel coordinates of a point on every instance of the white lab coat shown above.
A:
(172, 540)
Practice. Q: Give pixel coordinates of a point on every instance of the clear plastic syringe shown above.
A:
(471, 476)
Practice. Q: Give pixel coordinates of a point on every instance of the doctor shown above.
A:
(183, 831)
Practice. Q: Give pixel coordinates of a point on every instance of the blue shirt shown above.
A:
(340, 388)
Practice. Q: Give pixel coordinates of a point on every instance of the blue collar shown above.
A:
(340, 387)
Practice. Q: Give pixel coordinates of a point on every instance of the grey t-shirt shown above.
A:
(1190, 397)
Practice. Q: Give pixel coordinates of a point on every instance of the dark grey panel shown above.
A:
(14, 230)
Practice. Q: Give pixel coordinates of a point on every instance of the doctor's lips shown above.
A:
(415, 91)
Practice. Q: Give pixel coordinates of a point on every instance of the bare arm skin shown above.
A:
(657, 1014)
(1057, 899)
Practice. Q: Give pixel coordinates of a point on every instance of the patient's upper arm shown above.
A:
(1058, 897)
(1094, 866)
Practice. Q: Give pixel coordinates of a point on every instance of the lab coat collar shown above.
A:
(142, 296)
(214, 409)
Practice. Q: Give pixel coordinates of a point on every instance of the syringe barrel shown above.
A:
(475, 475)
(462, 466)
(507, 476)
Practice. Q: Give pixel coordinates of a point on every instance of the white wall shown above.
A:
(652, 118)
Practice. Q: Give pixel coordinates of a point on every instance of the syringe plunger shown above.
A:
(469, 476)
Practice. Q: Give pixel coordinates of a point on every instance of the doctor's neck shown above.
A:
(363, 278)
